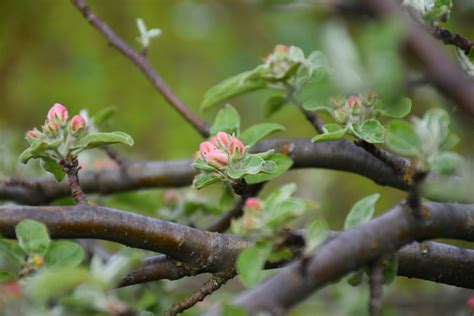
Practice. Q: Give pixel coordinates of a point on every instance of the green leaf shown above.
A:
(251, 261)
(283, 163)
(315, 234)
(285, 212)
(280, 254)
(227, 120)
(6, 277)
(230, 310)
(278, 196)
(332, 131)
(362, 211)
(396, 110)
(252, 164)
(316, 106)
(51, 166)
(371, 131)
(273, 105)
(255, 133)
(390, 269)
(202, 165)
(227, 198)
(445, 163)
(202, 180)
(231, 87)
(64, 254)
(402, 138)
(32, 237)
(103, 139)
(11, 251)
(356, 278)
(35, 150)
(54, 282)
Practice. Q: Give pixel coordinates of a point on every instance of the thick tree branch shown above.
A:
(353, 249)
(338, 155)
(444, 73)
(376, 288)
(141, 62)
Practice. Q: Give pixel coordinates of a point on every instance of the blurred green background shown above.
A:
(49, 54)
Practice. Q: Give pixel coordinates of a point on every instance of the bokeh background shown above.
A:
(49, 54)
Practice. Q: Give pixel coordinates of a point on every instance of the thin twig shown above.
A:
(398, 164)
(71, 167)
(116, 157)
(376, 288)
(314, 119)
(210, 286)
(414, 193)
(141, 62)
(454, 39)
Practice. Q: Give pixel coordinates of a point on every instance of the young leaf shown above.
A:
(356, 278)
(102, 139)
(232, 86)
(390, 269)
(227, 120)
(332, 132)
(283, 163)
(202, 165)
(64, 254)
(32, 237)
(250, 263)
(102, 116)
(395, 110)
(35, 150)
(445, 163)
(255, 133)
(6, 277)
(402, 138)
(51, 166)
(203, 180)
(371, 131)
(273, 105)
(362, 211)
(251, 165)
(316, 106)
(315, 234)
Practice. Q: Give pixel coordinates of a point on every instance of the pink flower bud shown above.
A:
(369, 98)
(470, 303)
(12, 288)
(217, 158)
(281, 49)
(50, 128)
(236, 148)
(58, 112)
(354, 104)
(221, 139)
(32, 135)
(205, 148)
(77, 124)
(253, 204)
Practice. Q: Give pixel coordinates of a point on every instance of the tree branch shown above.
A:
(445, 75)
(376, 288)
(209, 287)
(449, 38)
(141, 62)
(353, 249)
(338, 155)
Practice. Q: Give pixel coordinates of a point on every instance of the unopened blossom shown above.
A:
(354, 104)
(253, 204)
(32, 135)
(58, 112)
(217, 158)
(336, 101)
(221, 139)
(341, 115)
(281, 49)
(205, 148)
(369, 98)
(470, 303)
(77, 124)
(51, 128)
(236, 148)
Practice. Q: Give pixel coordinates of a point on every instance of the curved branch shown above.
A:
(141, 62)
(338, 155)
(353, 249)
(204, 249)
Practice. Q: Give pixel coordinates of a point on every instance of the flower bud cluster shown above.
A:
(220, 150)
(352, 109)
(57, 125)
(281, 61)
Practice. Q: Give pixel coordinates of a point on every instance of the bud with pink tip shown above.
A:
(77, 125)
(341, 115)
(253, 204)
(336, 101)
(32, 135)
(281, 49)
(354, 104)
(470, 303)
(217, 158)
(369, 98)
(205, 148)
(58, 112)
(236, 148)
(221, 139)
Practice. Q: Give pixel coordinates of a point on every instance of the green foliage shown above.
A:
(32, 237)
(428, 140)
(62, 254)
(203, 180)
(390, 269)
(50, 165)
(396, 110)
(332, 131)
(362, 211)
(102, 139)
(227, 120)
(251, 261)
(315, 234)
(251, 165)
(371, 131)
(255, 133)
(282, 164)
